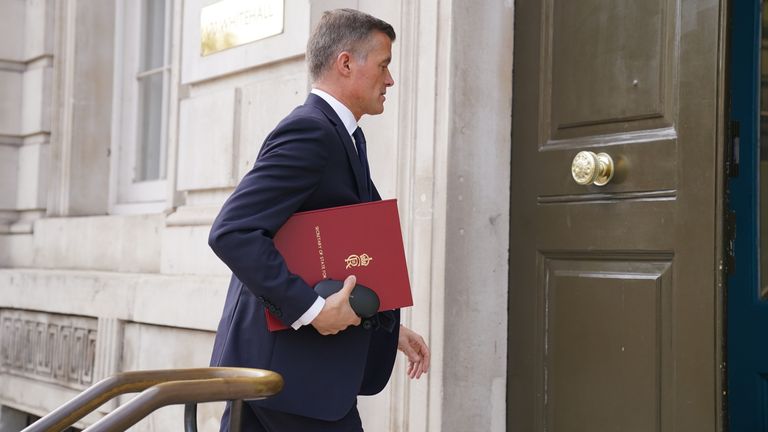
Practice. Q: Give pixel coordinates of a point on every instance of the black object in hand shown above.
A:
(363, 300)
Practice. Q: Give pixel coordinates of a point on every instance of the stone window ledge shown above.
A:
(185, 301)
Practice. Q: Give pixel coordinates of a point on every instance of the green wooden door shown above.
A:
(615, 309)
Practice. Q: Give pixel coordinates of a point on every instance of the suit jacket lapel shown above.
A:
(346, 140)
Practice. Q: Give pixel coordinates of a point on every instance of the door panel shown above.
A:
(653, 170)
(590, 364)
(590, 92)
(609, 64)
(613, 303)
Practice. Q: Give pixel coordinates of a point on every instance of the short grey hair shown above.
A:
(342, 30)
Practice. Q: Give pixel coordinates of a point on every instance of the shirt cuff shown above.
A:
(310, 314)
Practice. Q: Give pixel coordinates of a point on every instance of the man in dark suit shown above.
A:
(315, 158)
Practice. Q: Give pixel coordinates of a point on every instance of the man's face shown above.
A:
(370, 79)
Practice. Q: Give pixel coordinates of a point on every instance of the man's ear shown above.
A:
(343, 63)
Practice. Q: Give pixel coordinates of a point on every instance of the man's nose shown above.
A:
(389, 82)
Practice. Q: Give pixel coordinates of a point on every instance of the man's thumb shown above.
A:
(349, 283)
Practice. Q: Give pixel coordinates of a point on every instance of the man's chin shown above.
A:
(375, 111)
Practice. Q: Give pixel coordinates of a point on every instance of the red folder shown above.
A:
(362, 240)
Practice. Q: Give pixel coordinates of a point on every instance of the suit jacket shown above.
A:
(307, 162)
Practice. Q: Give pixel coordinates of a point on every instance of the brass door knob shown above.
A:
(590, 168)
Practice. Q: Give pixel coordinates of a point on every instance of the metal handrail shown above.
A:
(159, 388)
(235, 416)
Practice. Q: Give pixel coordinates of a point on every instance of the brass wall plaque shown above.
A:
(230, 23)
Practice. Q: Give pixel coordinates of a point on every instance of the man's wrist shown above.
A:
(310, 314)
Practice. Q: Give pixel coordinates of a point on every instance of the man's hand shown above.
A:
(337, 314)
(417, 351)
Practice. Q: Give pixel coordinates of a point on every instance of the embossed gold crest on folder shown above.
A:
(358, 260)
(230, 23)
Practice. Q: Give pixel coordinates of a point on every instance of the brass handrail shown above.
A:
(159, 388)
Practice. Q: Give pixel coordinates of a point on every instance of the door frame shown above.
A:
(742, 196)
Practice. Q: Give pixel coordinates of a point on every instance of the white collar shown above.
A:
(341, 110)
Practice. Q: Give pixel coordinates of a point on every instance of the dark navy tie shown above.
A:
(363, 155)
(384, 320)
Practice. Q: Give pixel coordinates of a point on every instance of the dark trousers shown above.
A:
(256, 419)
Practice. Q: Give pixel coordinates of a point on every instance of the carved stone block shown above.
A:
(48, 347)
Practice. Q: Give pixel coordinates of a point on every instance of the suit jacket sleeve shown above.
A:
(289, 168)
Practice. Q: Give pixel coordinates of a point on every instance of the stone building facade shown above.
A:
(119, 142)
